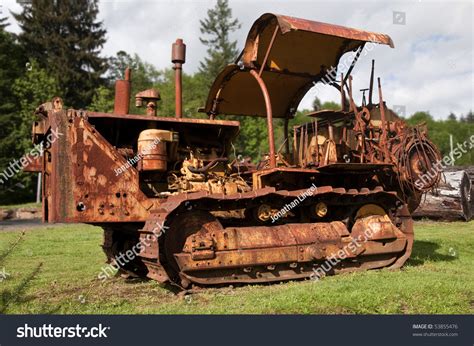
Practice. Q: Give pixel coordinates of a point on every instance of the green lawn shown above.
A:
(54, 270)
(23, 205)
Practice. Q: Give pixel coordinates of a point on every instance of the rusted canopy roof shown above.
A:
(303, 52)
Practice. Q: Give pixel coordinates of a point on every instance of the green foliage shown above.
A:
(35, 87)
(12, 66)
(65, 38)
(194, 94)
(469, 118)
(252, 140)
(420, 117)
(331, 106)
(215, 29)
(301, 117)
(144, 75)
(439, 132)
(103, 100)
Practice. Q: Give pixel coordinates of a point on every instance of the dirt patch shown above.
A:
(23, 213)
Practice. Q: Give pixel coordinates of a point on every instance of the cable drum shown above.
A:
(419, 162)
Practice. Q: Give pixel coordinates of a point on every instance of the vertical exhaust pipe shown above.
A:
(178, 57)
(122, 94)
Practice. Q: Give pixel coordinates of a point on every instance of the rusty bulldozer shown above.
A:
(177, 206)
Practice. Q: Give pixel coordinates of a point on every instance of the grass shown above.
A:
(23, 205)
(54, 270)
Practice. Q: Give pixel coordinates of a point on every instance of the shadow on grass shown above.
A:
(18, 294)
(427, 251)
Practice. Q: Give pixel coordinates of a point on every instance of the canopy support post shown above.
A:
(354, 62)
(268, 106)
(285, 130)
(270, 46)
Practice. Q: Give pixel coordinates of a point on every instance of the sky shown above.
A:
(430, 68)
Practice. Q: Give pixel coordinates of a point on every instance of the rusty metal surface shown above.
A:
(287, 23)
(299, 34)
(213, 123)
(289, 64)
(223, 219)
(148, 98)
(178, 57)
(80, 182)
(251, 254)
(269, 113)
(122, 94)
(34, 164)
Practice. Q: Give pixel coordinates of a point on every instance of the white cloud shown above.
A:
(431, 67)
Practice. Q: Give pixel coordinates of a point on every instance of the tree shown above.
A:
(3, 23)
(144, 74)
(470, 117)
(331, 106)
(12, 66)
(452, 116)
(35, 87)
(316, 104)
(215, 30)
(65, 38)
(194, 93)
(420, 117)
(103, 100)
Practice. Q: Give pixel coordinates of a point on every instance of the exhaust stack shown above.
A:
(122, 94)
(178, 57)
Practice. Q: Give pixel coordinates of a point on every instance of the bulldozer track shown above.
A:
(286, 265)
